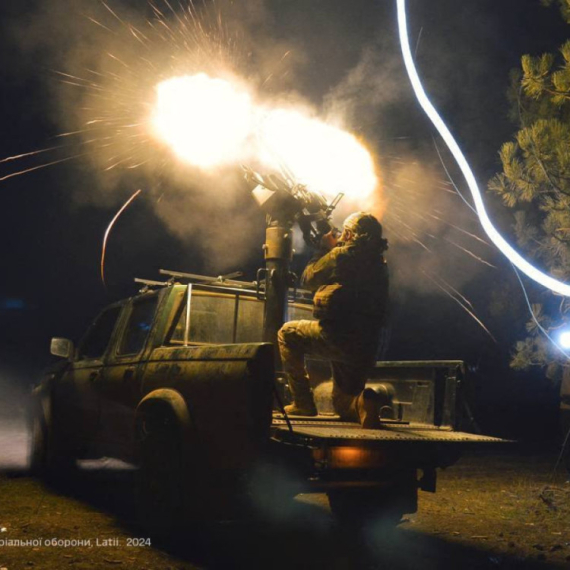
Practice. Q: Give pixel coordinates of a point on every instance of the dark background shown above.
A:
(50, 242)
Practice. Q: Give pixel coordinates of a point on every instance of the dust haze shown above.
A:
(14, 434)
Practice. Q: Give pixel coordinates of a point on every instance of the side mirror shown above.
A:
(62, 347)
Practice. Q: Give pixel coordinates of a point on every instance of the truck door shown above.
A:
(77, 399)
(120, 386)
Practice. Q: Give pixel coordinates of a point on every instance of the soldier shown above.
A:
(350, 280)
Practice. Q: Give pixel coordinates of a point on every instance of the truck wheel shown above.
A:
(159, 483)
(358, 507)
(49, 457)
(38, 449)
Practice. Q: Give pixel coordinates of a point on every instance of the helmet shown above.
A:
(363, 224)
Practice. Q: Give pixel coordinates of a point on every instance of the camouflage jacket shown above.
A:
(350, 284)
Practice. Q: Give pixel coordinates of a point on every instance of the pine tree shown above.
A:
(535, 182)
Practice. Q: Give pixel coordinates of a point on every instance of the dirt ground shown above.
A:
(490, 511)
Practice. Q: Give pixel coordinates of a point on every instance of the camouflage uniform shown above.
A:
(350, 303)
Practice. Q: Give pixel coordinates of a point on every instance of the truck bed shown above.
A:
(331, 429)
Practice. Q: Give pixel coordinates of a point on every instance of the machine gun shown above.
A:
(285, 204)
(293, 202)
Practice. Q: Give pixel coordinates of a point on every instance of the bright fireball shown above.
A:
(204, 120)
(320, 155)
(209, 122)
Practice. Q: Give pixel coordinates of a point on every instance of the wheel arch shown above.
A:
(164, 404)
(41, 401)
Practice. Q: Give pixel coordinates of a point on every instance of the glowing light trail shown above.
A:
(108, 231)
(505, 248)
(469, 253)
(33, 168)
(461, 230)
(459, 302)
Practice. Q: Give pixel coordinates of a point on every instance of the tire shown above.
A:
(38, 445)
(160, 483)
(359, 507)
(50, 458)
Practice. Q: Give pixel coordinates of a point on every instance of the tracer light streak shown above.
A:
(505, 248)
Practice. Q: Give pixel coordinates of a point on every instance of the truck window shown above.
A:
(99, 334)
(138, 325)
(250, 320)
(211, 319)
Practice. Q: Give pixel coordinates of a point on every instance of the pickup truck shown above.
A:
(177, 382)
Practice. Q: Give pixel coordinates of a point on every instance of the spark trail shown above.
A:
(462, 301)
(516, 258)
(108, 231)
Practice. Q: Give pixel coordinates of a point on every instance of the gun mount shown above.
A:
(285, 204)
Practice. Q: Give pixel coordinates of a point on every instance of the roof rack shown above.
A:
(226, 282)
(149, 283)
(223, 280)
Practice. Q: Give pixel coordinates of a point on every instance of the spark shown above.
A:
(392, 230)
(432, 278)
(33, 168)
(420, 243)
(413, 234)
(69, 76)
(118, 59)
(451, 181)
(113, 13)
(452, 288)
(468, 252)
(472, 235)
(32, 153)
(100, 24)
(108, 231)
(407, 210)
(516, 258)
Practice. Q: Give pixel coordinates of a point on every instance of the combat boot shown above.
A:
(303, 401)
(368, 405)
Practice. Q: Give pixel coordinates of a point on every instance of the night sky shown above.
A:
(52, 220)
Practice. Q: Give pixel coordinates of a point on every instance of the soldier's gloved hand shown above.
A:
(329, 240)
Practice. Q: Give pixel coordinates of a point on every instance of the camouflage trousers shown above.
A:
(351, 352)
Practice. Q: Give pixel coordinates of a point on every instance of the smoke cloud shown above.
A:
(370, 87)
(436, 242)
(111, 54)
(103, 58)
